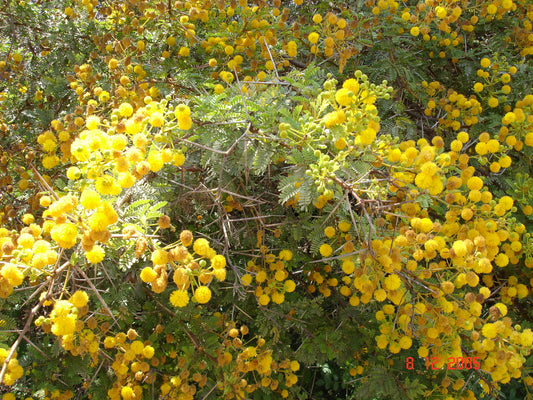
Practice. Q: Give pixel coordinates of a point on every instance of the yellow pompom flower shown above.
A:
(313, 37)
(26, 240)
(12, 274)
(264, 299)
(405, 342)
(65, 234)
(506, 202)
(289, 286)
(218, 261)
(107, 185)
(352, 85)
(329, 231)
(148, 275)
(159, 257)
(440, 12)
(459, 247)
(92, 122)
(79, 299)
(342, 97)
(186, 238)
(317, 18)
(344, 226)
(95, 255)
(392, 282)
(184, 122)
(526, 338)
(202, 294)
(292, 49)
(125, 109)
(220, 274)
(246, 279)
(348, 267)
(201, 246)
(489, 331)
(148, 352)
(155, 161)
(126, 393)
(474, 183)
(325, 250)
(501, 260)
(156, 119)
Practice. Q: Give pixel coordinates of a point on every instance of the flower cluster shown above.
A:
(271, 279)
(188, 269)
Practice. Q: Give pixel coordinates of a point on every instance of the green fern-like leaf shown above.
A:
(262, 159)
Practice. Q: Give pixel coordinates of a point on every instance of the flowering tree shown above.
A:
(259, 200)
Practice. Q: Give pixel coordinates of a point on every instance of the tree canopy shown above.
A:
(252, 199)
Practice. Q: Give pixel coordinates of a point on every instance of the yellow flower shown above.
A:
(92, 122)
(246, 279)
(148, 275)
(148, 352)
(156, 119)
(501, 260)
(179, 298)
(220, 274)
(79, 299)
(344, 226)
(159, 257)
(325, 250)
(289, 286)
(65, 234)
(201, 246)
(264, 299)
(184, 122)
(474, 183)
(382, 341)
(155, 161)
(352, 85)
(489, 330)
(348, 267)
(393, 282)
(202, 294)
(126, 393)
(64, 325)
(405, 342)
(313, 37)
(292, 49)
(107, 185)
(218, 261)
(50, 161)
(95, 255)
(186, 238)
(12, 274)
(459, 247)
(440, 12)
(342, 97)
(329, 231)
(380, 295)
(506, 202)
(526, 338)
(125, 109)
(278, 297)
